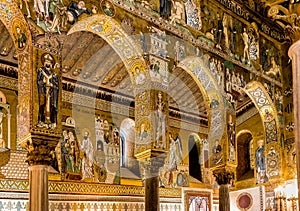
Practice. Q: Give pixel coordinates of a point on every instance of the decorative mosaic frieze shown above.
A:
(92, 102)
(84, 188)
(188, 126)
(58, 202)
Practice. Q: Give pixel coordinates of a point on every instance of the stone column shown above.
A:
(294, 54)
(152, 194)
(39, 158)
(38, 197)
(152, 202)
(224, 179)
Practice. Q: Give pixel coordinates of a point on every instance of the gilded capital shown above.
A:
(224, 176)
(39, 150)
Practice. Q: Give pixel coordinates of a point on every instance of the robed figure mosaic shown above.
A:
(48, 89)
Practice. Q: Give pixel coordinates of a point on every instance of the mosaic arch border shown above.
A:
(266, 108)
(195, 67)
(111, 31)
(11, 17)
(268, 114)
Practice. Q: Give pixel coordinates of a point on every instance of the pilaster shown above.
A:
(43, 114)
(152, 141)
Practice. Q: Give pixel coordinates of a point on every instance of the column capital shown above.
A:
(152, 165)
(39, 150)
(224, 176)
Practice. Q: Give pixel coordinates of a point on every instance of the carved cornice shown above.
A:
(188, 126)
(92, 102)
(195, 118)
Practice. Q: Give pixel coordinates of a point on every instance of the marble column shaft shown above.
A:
(294, 54)
(152, 194)
(224, 200)
(38, 199)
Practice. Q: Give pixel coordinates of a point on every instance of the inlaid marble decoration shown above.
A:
(251, 199)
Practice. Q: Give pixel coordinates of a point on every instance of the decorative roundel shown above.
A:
(257, 93)
(271, 126)
(272, 163)
(262, 100)
(102, 174)
(108, 8)
(244, 201)
(272, 135)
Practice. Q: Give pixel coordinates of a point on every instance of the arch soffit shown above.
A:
(13, 18)
(241, 132)
(111, 31)
(262, 101)
(197, 141)
(196, 68)
(197, 138)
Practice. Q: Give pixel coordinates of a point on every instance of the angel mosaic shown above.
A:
(175, 152)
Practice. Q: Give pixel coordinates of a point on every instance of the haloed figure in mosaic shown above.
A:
(260, 162)
(20, 38)
(88, 159)
(47, 82)
(160, 123)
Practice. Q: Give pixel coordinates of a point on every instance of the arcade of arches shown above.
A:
(149, 105)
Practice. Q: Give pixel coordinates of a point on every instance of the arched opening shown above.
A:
(99, 70)
(128, 162)
(211, 92)
(127, 138)
(194, 157)
(245, 168)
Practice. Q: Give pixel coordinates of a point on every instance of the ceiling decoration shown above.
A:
(99, 65)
